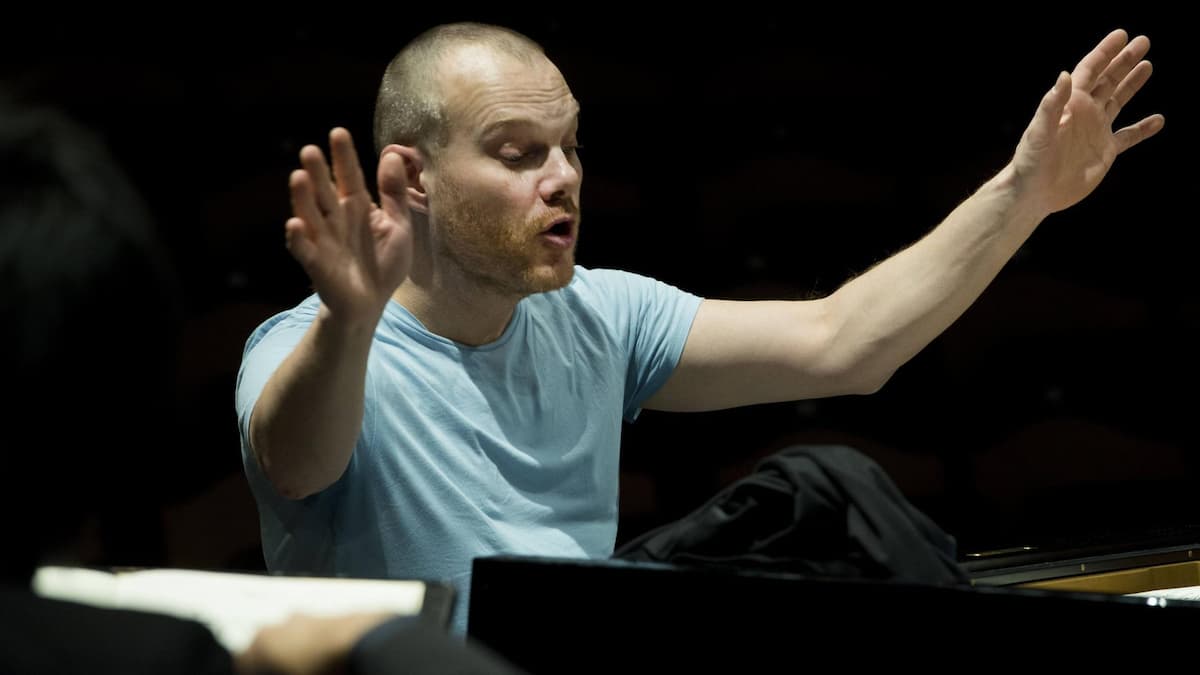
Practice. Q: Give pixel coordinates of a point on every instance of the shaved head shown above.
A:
(410, 108)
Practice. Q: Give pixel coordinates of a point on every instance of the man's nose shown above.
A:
(561, 176)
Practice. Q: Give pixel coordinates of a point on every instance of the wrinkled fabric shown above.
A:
(820, 510)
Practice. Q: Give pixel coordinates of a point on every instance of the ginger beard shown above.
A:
(497, 250)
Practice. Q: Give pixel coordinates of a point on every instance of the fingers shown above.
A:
(1089, 69)
(313, 161)
(347, 171)
(1128, 87)
(303, 229)
(1136, 133)
(1116, 71)
(347, 178)
(301, 241)
(304, 197)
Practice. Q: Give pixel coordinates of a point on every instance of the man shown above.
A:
(455, 387)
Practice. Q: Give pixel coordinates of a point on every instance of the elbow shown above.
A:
(285, 483)
(850, 366)
(848, 361)
(293, 490)
(290, 484)
(861, 376)
(872, 382)
(289, 479)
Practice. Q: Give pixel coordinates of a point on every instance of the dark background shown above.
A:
(750, 153)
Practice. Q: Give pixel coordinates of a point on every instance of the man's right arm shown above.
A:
(308, 417)
(306, 421)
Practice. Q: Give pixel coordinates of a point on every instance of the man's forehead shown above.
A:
(513, 118)
(493, 90)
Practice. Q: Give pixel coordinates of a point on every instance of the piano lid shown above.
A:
(553, 615)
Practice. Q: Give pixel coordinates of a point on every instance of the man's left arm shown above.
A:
(851, 342)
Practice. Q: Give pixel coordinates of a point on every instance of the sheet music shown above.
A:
(233, 605)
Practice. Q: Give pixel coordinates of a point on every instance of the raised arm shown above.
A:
(307, 418)
(852, 341)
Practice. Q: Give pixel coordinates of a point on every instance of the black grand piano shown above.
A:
(1066, 505)
(551, 615)
(1120, 595)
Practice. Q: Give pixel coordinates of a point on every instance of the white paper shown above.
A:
(233, 605)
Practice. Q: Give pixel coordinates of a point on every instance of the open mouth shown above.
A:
(562, 228)
(560, 233)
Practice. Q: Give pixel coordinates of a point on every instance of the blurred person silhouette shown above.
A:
(92, 314)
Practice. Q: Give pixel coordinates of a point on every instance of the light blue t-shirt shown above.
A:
(510, 447)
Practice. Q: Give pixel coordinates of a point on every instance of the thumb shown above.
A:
(392, 184)
(1050, 110)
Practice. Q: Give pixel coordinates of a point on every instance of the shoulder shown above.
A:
(298, 317)
(606, 286)
(613, 301)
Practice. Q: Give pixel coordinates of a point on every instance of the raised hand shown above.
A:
(1069, 146)
(355, 252)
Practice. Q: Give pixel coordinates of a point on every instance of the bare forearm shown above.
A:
(309, 415)
(851, 342)
(887, 315)
(739, 353)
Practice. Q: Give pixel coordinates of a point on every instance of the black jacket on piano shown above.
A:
(821, 510)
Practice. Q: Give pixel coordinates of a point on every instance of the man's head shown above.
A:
(497, 173)
(410, 107)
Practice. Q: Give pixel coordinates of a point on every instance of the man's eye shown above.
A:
(572, 149)
(512, 157)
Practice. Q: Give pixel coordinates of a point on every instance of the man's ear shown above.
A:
(414, 171)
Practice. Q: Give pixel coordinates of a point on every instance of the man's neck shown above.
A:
(454, 307)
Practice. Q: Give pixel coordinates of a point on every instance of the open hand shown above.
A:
(1069, 146)
(355, 252)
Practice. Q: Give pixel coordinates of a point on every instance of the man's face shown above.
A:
(504, 192)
